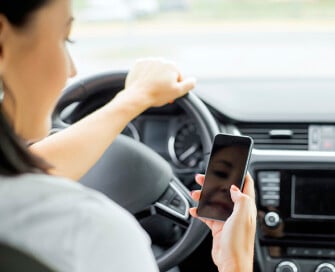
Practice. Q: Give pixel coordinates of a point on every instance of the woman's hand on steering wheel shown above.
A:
(157, 82)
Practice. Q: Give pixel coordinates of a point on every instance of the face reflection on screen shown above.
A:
(226, 167)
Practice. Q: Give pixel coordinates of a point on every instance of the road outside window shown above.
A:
(210, 39)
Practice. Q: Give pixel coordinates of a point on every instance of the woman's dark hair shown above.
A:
(15, 157)
(17, 12)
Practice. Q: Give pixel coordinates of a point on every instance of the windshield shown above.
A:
(209, 39)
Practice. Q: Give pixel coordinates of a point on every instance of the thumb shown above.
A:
(187, 85)
(235, 194)
(242, 202)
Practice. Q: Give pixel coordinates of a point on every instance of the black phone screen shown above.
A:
(227, 166)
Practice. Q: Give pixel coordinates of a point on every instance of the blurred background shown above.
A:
(209, 39)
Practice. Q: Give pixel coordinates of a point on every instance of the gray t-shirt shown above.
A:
(70, 227)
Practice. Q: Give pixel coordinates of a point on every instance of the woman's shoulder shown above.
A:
(39, 181)
(45, 189)
(51, 194)
(42, 185)
(68, 217)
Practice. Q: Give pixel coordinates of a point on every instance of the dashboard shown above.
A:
(292, 122)
(293, 162)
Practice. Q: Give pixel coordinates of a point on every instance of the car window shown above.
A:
(209, 39)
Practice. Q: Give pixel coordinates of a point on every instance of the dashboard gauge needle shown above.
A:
(188, 152)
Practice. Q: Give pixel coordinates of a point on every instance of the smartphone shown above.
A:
(227, 165)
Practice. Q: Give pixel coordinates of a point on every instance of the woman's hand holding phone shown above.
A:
(227, 166)
(233, 240)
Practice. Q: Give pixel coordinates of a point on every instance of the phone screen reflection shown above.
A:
(226, 167)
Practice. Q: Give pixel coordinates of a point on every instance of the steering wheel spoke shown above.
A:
(174, 202)
(173, 205)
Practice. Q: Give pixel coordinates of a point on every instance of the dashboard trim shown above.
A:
(291, 156)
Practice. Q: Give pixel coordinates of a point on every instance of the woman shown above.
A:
(63, 224)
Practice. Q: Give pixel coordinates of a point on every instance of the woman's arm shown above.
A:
(233, 240)
(73, 151)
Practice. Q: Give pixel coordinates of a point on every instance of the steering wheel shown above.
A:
(143, 182)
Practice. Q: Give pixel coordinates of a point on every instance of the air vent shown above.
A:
(278, 136)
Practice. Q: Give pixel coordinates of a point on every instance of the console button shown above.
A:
(272, 219)
(330, 253)
(270, 195)
(293, 251)
(303, 252)
(319, 252)
(310, 252)
(314, 137)
(270, 202)
(321, 138)
(168, 195)
(269, 176)
(269, 185)
(286, 266)
(325, 267)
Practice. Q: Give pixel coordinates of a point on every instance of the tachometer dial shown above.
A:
(185, 147)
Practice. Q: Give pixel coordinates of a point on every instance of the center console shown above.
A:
(296, 216)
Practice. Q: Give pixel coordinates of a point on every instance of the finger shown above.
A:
(193, 212)
(240, 204)
(199, 178)
(249, 186)
(186, 85)
(196, 195)
(243, 203)
(235, 194)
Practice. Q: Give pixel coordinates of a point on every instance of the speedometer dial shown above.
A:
(185, 147)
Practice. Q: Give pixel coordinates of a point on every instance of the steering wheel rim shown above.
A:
(114, 82)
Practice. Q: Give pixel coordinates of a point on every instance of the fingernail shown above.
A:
(234, 188)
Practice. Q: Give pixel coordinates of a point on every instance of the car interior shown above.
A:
(292, 164)
(265, 70)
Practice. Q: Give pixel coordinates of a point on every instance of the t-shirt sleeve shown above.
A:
(110, 239)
